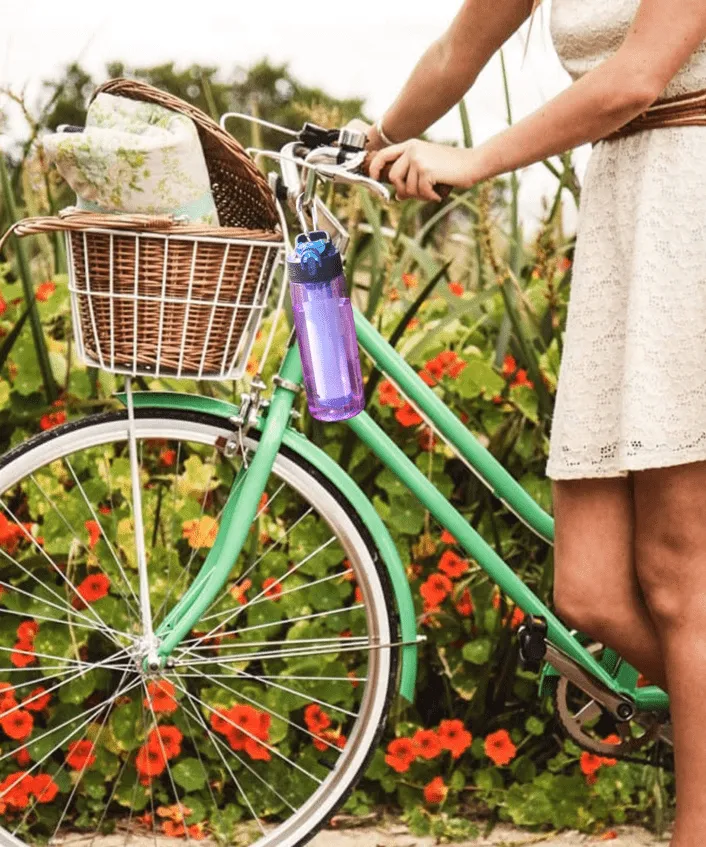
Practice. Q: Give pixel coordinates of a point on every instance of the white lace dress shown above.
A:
(632, 381)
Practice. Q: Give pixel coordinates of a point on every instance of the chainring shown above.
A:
(579, 714)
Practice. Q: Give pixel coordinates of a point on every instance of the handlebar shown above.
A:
(441, 188)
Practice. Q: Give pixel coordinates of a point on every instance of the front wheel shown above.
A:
(268, 710)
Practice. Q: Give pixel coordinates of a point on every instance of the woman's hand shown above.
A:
(419, 165)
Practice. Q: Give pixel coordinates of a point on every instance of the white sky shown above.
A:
(366, 48)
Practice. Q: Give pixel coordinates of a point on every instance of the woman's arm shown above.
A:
(663, 35)
(450, 65)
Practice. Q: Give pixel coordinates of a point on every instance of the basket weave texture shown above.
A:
(152, 295)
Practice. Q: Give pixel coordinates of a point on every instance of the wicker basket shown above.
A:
(155, 297)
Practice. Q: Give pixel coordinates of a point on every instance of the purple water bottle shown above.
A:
(323, 318)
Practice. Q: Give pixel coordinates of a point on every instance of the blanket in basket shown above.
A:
(134, 156)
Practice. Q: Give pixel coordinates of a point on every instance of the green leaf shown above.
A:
(189, 774)
(534, 726)
(126, 723)
(478, 651)
(479, 377)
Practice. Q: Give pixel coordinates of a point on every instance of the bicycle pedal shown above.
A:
(532, 634)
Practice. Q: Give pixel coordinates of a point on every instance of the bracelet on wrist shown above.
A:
(381, 133)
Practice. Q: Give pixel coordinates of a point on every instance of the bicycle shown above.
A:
(285, 608)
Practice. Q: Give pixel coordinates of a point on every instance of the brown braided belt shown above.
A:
(681, 110)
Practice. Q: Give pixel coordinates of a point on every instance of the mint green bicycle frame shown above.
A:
(275, 430)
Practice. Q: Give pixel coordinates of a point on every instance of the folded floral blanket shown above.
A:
(134, 156)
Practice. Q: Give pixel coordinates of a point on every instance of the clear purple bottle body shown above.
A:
(323, 317)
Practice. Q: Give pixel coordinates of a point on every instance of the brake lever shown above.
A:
(346, 171)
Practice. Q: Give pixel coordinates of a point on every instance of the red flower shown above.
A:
(436, 588)
(316, 719)
(427, 439)
(388, 395)
(167, 457)
(400, 754)
(447, 538)
(23, 654)
(464, 606)
(173, 830)
(94, 533)
(407, 416)
(150, 761)
(14, 790)
(52, 419)
(44, 788)
(456, 288)
(454, 737)
(275, 590)
(452, 564)
(499, 747)
(37, 700)
(332, 737)
(161, 697)
(509, 365)
(3, 306)
(409, 280)
(45, 291)
(238, 592)
(22, 757)
(428, 743)
(80, 755)
(167, 740)
(94, 587)
(590, 763)
(27, 630)
(17, 724)
(521, 379)
(435, 792)
(220, 721)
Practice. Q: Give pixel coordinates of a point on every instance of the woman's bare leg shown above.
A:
(670, 552)
(596, 589)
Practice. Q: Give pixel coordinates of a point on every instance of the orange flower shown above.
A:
(52, 419)
(150, 760)
(428, 743)
(521, 379)
(409, 280)
(37, 700)
(388, 395)
(262, 505)
(22, 654)
(394, 294)
(45, 291)
(94, 533)
(22, 757)
(436, 588)
(590, 762)
(161, 697)
(447, 538)
(197, 831)
(331, 736)
(167, 457)
(94, 587)
(27, 630)
(238, 591)
(563, 264)
(173, 830)
(464, 606)
(456, 288)
(435, 792)
(400, 754)
(509, 365)
(407, 416)
(452, 564)
(316, 719)
(454, 737)
(17, 724)
(167, 740)
(220, 721)
(200, 532)
(3, 309)
(44, 788)
(272, 587)
(80, 755)
(499, 747)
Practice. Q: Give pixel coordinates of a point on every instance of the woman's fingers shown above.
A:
(426, 188)
(398, 175)
(384, 157)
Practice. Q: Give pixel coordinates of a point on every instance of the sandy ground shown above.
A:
(502, 836)
(391, 835)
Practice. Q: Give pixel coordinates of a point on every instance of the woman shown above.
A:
(627, 452)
